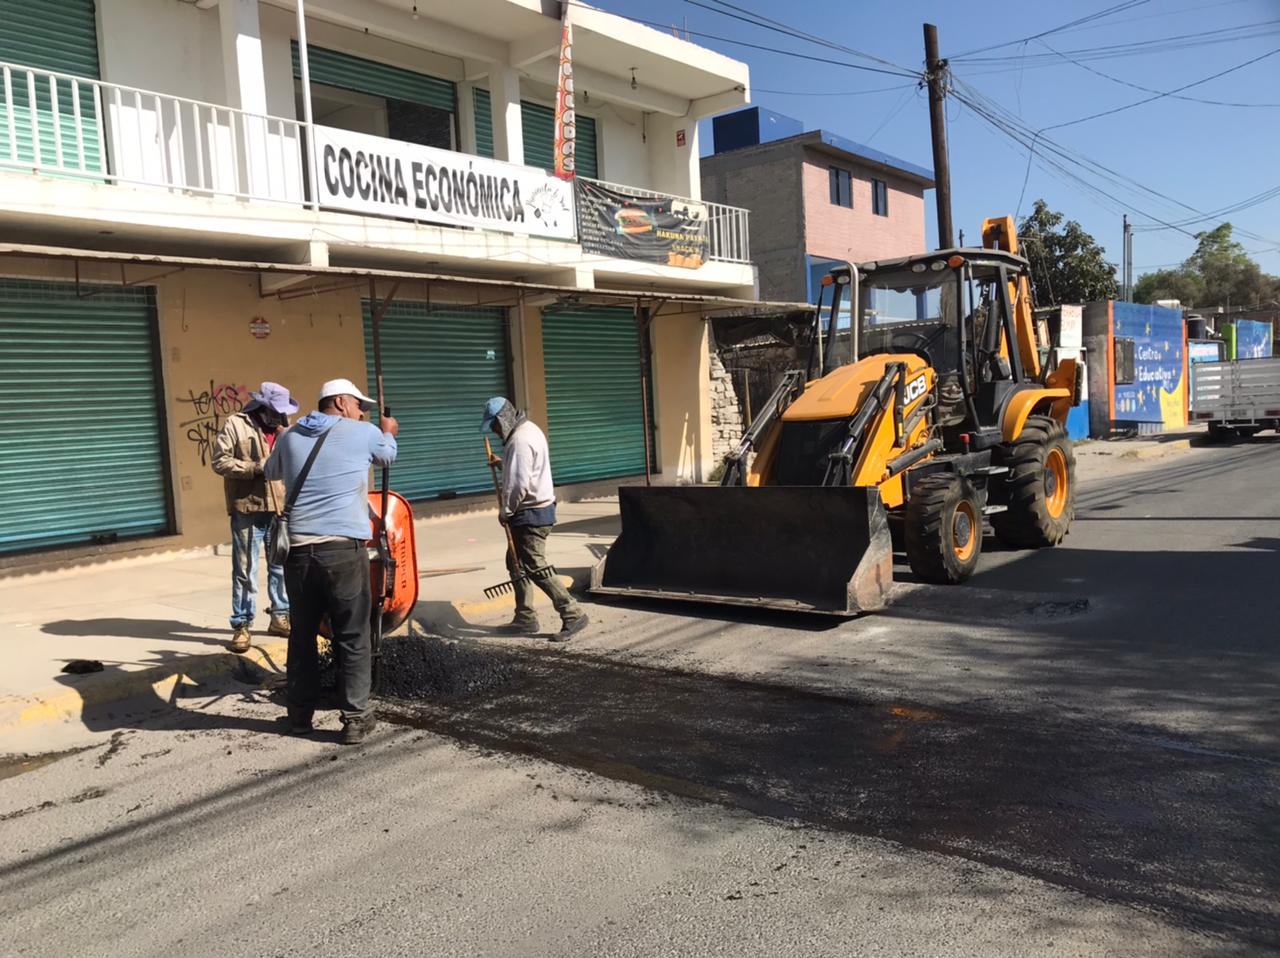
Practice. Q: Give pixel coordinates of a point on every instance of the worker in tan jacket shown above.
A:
(242, 446)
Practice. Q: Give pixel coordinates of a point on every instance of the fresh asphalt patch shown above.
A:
(1112, 813)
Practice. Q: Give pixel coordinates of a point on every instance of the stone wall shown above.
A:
(726, 414)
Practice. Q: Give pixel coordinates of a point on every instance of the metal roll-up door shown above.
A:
(439, 365)
(538, 130)
(81, 434)
(595, 416)
(347, 72)
(60, 36)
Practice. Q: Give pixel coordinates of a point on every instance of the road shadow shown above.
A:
(102, 710)
(167, 630)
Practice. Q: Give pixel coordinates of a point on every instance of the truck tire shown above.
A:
(943, 529)
(1220, 433)
(1040, 486)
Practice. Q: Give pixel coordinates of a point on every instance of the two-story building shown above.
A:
(814, 196)
(197, 195)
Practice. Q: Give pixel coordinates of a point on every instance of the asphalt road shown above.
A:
(1075, 754)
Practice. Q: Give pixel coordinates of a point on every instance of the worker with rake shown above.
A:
(527, 509)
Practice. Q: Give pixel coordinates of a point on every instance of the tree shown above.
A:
(1067, 265)
(1218, 273)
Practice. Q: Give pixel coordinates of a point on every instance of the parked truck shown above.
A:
(1238, 398)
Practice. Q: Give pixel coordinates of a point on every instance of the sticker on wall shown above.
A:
(260, 328)
(679, 137)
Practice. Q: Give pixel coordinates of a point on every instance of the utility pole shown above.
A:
(936, 73)
(1127, 266)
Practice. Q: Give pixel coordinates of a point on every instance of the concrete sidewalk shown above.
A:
(159, 622)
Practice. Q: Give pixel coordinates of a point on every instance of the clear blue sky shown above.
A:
(1205, 156)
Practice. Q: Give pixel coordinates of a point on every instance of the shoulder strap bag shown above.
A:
(278, 534)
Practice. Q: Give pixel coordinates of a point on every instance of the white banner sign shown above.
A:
(382, 177)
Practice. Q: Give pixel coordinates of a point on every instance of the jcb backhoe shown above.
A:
(926, 407)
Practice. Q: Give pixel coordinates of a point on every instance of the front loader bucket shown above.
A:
(800, 548)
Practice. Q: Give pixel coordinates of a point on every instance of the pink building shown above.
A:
(814, 198)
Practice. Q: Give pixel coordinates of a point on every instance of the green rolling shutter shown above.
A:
(439, 365)
(595, 421)
(588, 165)
(359, 75)
(538, 126)
(80, 430)
(60, 36)
(484, 123)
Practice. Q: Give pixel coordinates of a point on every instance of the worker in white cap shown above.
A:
(324, 461)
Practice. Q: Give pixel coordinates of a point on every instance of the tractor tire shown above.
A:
(1041, 486)
(943, 529)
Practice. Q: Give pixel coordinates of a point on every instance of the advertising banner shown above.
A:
(1204, 351)
(664, 229)
(1157, 393)
(383, 177)
(566, 115)
(1253, 339)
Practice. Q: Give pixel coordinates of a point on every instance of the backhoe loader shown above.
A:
(926, 411)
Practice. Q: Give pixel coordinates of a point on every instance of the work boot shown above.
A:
(521, 626)
(571, 628)
(356, 730)
(241, 639)
(279, 625)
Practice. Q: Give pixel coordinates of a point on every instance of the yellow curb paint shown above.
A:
(60, 703)
(502, 602)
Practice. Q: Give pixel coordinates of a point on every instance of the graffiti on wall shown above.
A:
(1156, 394)
(208, 410)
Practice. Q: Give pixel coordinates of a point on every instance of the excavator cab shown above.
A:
(924, 405)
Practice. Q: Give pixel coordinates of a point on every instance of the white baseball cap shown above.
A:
(345, 387)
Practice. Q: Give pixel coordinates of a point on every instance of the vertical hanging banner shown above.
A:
(566, 117)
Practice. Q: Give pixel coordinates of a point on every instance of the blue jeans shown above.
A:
(248, 536)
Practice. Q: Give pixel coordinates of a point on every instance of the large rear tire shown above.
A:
(943, 529)
(1040, 486)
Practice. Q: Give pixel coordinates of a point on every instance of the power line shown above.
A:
(1203, 38)
(760, 20)
(1117, 8)
(881, 89)
(1062, 163)
(1161, 96)
(1147, 89)
(756, 46)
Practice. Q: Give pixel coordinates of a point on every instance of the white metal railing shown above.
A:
(727, 235)
(64, 125)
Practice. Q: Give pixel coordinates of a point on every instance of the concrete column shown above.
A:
(246, 88)
(504, 99)
(682, 398)
(675, 165)
(467, 118)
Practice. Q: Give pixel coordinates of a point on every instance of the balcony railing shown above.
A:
(57, 124)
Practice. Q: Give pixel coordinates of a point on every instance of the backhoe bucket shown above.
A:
(799, 548)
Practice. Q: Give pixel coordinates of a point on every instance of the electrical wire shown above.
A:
(1161, 96)
(760, 20)
(882, 89)
(1147, 89)
(768, 49)
(1117, 8)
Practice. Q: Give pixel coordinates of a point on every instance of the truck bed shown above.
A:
(1241, 394)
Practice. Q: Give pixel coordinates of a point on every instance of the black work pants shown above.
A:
(330, 578)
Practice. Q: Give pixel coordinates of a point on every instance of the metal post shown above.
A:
(1127, 267)
(305, 69)
(643, 316)
(936, 73)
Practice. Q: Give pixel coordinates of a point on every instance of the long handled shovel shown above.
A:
(522, 574)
